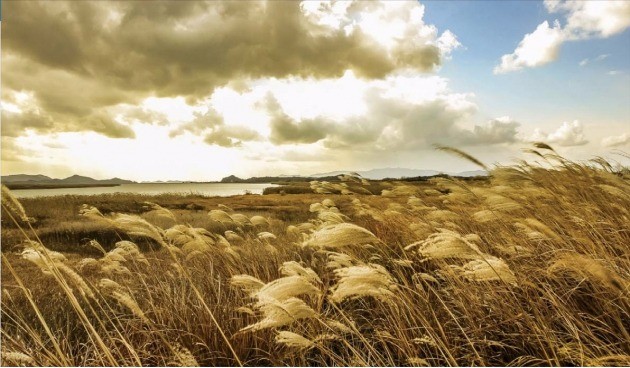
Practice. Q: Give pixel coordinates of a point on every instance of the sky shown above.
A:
(191, 90)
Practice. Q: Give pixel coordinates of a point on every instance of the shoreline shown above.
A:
(19, 186)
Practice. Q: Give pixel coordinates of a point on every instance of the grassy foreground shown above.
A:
(531, 267)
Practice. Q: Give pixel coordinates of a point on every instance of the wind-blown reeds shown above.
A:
(527, 266)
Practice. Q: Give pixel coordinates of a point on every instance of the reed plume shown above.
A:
(446, 244)
(291, 339)
(364, 280)
(461, 154)
(281, 313)
(11, 204)
(488, 269)
(340, 235)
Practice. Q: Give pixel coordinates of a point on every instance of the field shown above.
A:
(528, 267)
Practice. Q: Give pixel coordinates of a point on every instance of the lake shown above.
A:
(206, 189)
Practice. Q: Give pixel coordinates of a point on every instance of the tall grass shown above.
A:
(531, 267)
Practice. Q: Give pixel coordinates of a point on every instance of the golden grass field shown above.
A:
(529, 267)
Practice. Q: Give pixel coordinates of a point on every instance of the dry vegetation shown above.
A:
(531, 267)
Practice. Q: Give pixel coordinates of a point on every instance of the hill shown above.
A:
(397, 173)
(23, 181)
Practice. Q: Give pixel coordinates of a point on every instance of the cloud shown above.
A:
(209, 120)
(15, 124)
(584, 20)
(597, 59)
(81, 59)
(390, 122)
(285, 130)
(496, 131)
(212, 126)
(231, 136)
(616, 140)
(568, 134)
(101, 122)
(588, 19)
(135, 114)
(537, 48)
(13, 151)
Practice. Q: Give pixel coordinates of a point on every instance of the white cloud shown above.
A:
(447, 42)
(597, 59)
(569, 134)
(587, 19)
(602, 57)
(537, 48)
(496, 131)
(398, 26)
(398, 113)
(616, 140)
(584, 20)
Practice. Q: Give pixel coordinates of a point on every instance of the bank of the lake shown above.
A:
(206, 189)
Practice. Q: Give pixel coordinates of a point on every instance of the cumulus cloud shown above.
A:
(496, 131)
(15, 124)
(537, 48)
(201, 122)
(136, 114)
(212, 126)
(231, 136)
(13, 151)
(390, 122)
(101, 122)
(587, 19)
(285, 130)
(568, 134)
(352, 133)
(80, 59)
(583, 20)
(616, 140)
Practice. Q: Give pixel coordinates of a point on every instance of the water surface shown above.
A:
(207, 189)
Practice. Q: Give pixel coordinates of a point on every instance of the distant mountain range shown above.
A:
(374, 174)
(396, 173)
(41, 181)
(23, 181)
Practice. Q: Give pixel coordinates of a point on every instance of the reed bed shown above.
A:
(531, 267)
